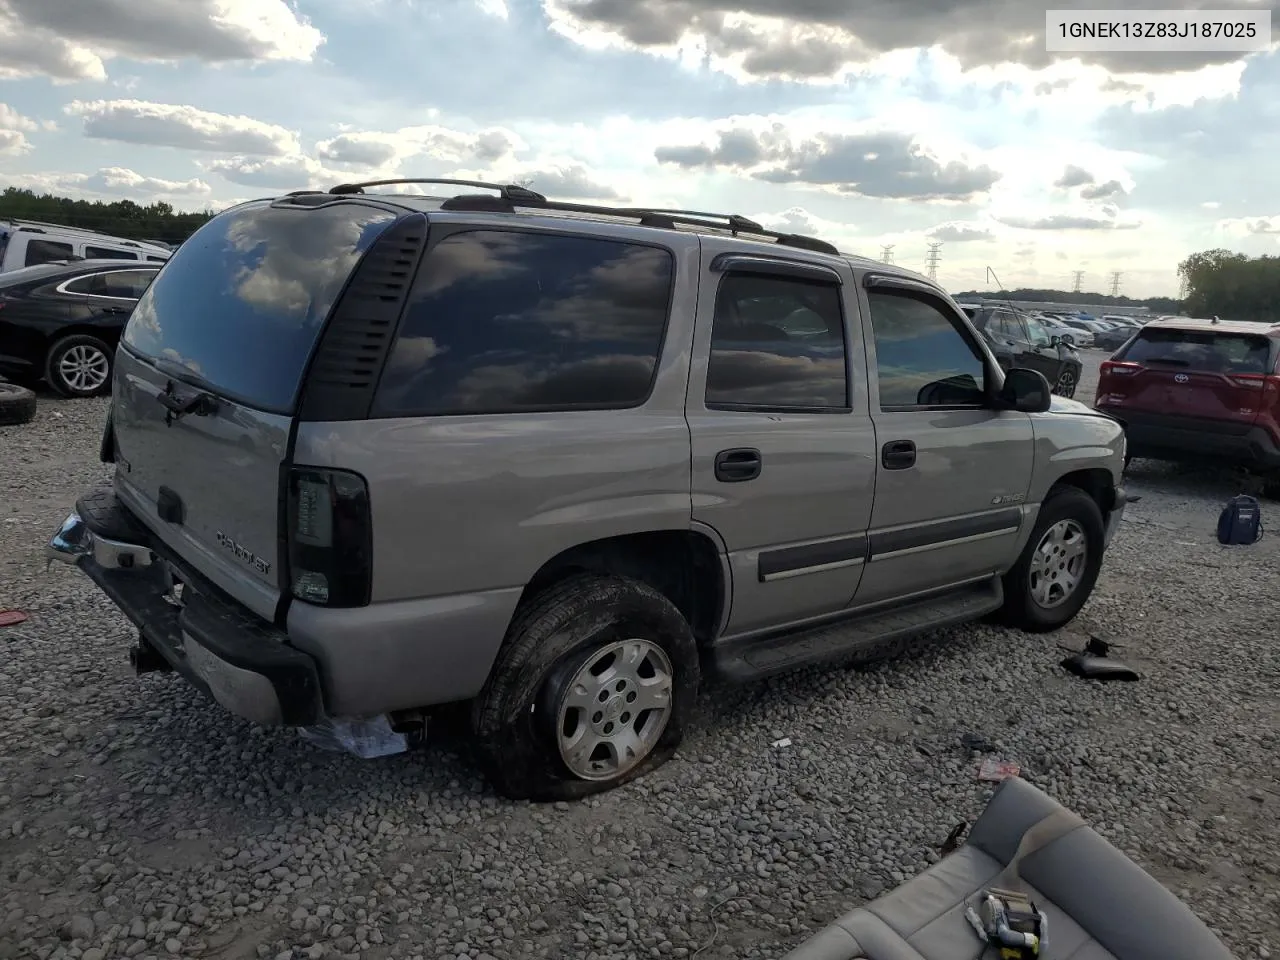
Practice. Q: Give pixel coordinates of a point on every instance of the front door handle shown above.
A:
(898, 455)
(738, 464)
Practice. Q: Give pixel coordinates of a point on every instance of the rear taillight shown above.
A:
(1251, 381)
(330, 537)
(1119, 367)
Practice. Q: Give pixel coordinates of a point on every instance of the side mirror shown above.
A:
(1026, 391)
(1055, 340)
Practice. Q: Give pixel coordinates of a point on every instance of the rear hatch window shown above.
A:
(1201, 350)
(240, 305)
(236, 314)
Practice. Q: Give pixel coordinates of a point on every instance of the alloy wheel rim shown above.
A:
(615, 709)
(84, 368)
(1058, 564)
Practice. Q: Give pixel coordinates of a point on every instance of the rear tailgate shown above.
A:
(232, 318)
(1194, 375)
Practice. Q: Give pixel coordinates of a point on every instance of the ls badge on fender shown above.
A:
(1008, 498)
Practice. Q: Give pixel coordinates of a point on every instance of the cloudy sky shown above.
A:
(881, 122)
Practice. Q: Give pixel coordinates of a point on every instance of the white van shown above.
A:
(26, 243)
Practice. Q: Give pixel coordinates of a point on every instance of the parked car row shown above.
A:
(29, 243)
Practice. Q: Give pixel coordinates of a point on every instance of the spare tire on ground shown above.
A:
(17, 404)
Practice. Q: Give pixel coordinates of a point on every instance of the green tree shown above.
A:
(120, 218)
(1232, 285)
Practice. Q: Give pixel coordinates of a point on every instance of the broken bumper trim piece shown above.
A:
(237, 659)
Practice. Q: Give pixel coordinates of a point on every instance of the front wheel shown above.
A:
(593, 687)
(1059, 566)
(79, 366)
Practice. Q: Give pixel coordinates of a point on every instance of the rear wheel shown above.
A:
(593, 688)
(79, 366)
(1059, 566)
(1066, 385)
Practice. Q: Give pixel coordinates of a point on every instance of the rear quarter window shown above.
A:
(505, 321)
(1197, 350)
(241, 304)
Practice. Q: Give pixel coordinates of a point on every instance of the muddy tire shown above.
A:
(558, 717)
(79, 366)
(17, 404)
(1059, 566)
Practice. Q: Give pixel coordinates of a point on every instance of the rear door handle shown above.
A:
(898, 455)
(738, 464)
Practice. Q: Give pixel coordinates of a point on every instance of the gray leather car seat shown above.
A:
(1100, 905)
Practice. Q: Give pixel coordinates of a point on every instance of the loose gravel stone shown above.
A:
(139, 820)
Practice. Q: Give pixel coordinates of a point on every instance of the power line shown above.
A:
(1115, 282)
(934, 256)
(886, 253)
(1077, 279)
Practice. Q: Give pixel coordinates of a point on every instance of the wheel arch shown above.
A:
(687, 566)
(1097, 482)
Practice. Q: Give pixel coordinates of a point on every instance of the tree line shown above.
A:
(120, 218)
(1232, 286)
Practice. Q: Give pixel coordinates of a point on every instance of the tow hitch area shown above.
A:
(144, 658)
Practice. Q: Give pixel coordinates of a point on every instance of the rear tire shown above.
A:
(17, 404)
(1059, 566)
(1066, 385)
(573, 645)
(79, 366)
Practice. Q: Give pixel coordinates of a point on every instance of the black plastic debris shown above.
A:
(952, 843)
(1094, 663)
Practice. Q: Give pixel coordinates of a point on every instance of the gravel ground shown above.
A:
(138, 820)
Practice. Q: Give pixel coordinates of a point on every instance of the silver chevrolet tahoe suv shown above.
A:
(376, 453)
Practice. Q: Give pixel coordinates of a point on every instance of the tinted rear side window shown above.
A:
(45, 251)
(108, 253)
(1194, 350)
(241, 303)
(518, 322)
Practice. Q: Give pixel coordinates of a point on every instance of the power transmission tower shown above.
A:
(1115, 283)
(935, 255)
(1077, 279)
(886, 253)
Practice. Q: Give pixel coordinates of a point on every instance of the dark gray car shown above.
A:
(380, 453)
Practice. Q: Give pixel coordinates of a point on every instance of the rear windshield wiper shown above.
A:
(198, 404)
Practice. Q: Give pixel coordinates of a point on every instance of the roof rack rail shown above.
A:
(511, 196)
(507, 191)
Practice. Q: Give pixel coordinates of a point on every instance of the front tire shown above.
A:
(1059, 566)
(79, 366)
(593, 687)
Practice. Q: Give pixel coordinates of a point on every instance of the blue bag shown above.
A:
(1240, 521)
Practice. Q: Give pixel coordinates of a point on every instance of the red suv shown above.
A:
(1199, 389)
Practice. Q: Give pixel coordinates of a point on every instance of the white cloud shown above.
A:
(14, 142)
(181, 126)
(70, 41)
(1243, 226)
(294, 172)
(112, 182)
(958, 231)
(494, 8)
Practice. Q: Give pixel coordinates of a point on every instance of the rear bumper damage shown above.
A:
(185, 624)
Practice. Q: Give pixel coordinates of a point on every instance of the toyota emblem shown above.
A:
(1181, 378)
